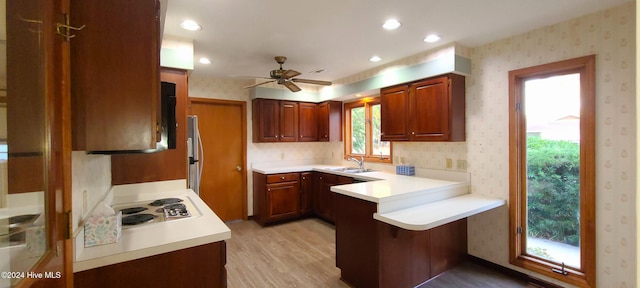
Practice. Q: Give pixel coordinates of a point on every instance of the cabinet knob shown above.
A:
(269, 189)
(413, 133)
(238, 168)
(303, 178)
(320, 177)
(326, 136)
(282, 178)
(277, 136)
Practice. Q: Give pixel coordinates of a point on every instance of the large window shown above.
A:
(362, 133)
(552, 171)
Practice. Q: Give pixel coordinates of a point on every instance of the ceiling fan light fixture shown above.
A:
(190, 25)
(432, 38)
(375, 59)
(391, 24)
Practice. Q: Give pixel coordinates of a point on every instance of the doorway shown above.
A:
(223, 130)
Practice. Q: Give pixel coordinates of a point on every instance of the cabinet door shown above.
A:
(115, 98)
(288, 121)
(324, 196)
(283, 200)
(266, 120)
(308, 124)
(307, 192)
(330, 121)
(394, 113)
(430, 110)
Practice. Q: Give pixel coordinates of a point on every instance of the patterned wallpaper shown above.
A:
(609, 34)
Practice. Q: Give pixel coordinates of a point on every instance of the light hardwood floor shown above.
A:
(302, 254)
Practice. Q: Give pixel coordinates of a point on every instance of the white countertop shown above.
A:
(155, 238)
(408, 202)
(438, 213)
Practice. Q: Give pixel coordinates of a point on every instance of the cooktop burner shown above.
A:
(135, 214)
(165, 201)
(133, 210)
(136, 219)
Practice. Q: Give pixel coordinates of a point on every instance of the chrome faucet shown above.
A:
(360, 162)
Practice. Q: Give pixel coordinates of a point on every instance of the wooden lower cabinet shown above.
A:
(200, 266)
(324, 201)
(373, 254)
(276, 197)
(307, 193)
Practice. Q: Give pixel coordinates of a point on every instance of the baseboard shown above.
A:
(512, 273)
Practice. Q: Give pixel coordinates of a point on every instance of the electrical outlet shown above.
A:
(449, 163)
(461, 164)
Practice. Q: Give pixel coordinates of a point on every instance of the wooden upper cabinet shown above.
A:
(266, 120)
(308, 124)
(289, 121)
(428, 110)
(115, 67)
(394, 113)
(330, 121)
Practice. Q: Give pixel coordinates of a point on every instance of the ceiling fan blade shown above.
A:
(258, 84)
(293, 87)
(290, 73)
(309, 81)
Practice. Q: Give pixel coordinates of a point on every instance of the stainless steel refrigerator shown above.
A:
(195, 153)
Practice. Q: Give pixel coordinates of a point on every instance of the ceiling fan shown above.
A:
(285, 77)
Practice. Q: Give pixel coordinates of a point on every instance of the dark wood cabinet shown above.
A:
(307, 192)
(200, 266)
(324, 201)
(274, 120)
(164, 165)
(308, 123)
(330, 121)
(290, 121)
(394, 111)
(369, 253)
(427, 110)
(276, 197)
(115, 99)
(266, 120)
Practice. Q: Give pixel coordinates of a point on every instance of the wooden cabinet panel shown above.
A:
(288, 121)
(163, 165)
(115, 99)
(330, 121)
(427, 110)
(266, 120)
(324, 205)
(307, 192)
(308, 124)
(283, 177)
(394, 113)
(276, 197)
(371, 253)
(200, 266)
(283, 200)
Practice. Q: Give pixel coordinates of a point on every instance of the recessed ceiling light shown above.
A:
(375, 59)
(432, 38)
(391, 24)
(205, 60)
(190, 25)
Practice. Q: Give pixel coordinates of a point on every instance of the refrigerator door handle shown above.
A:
(201, 156)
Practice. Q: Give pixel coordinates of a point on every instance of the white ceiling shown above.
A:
(241, 37)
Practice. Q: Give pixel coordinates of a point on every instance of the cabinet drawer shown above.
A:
(284, 177)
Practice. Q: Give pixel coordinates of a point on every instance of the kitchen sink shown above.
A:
(350, 170)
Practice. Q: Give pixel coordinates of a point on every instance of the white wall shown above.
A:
(610, 35)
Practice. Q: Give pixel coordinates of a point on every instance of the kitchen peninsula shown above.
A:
(394, 230)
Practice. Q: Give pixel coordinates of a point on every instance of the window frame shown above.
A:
(586, 275)
(368, 156)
